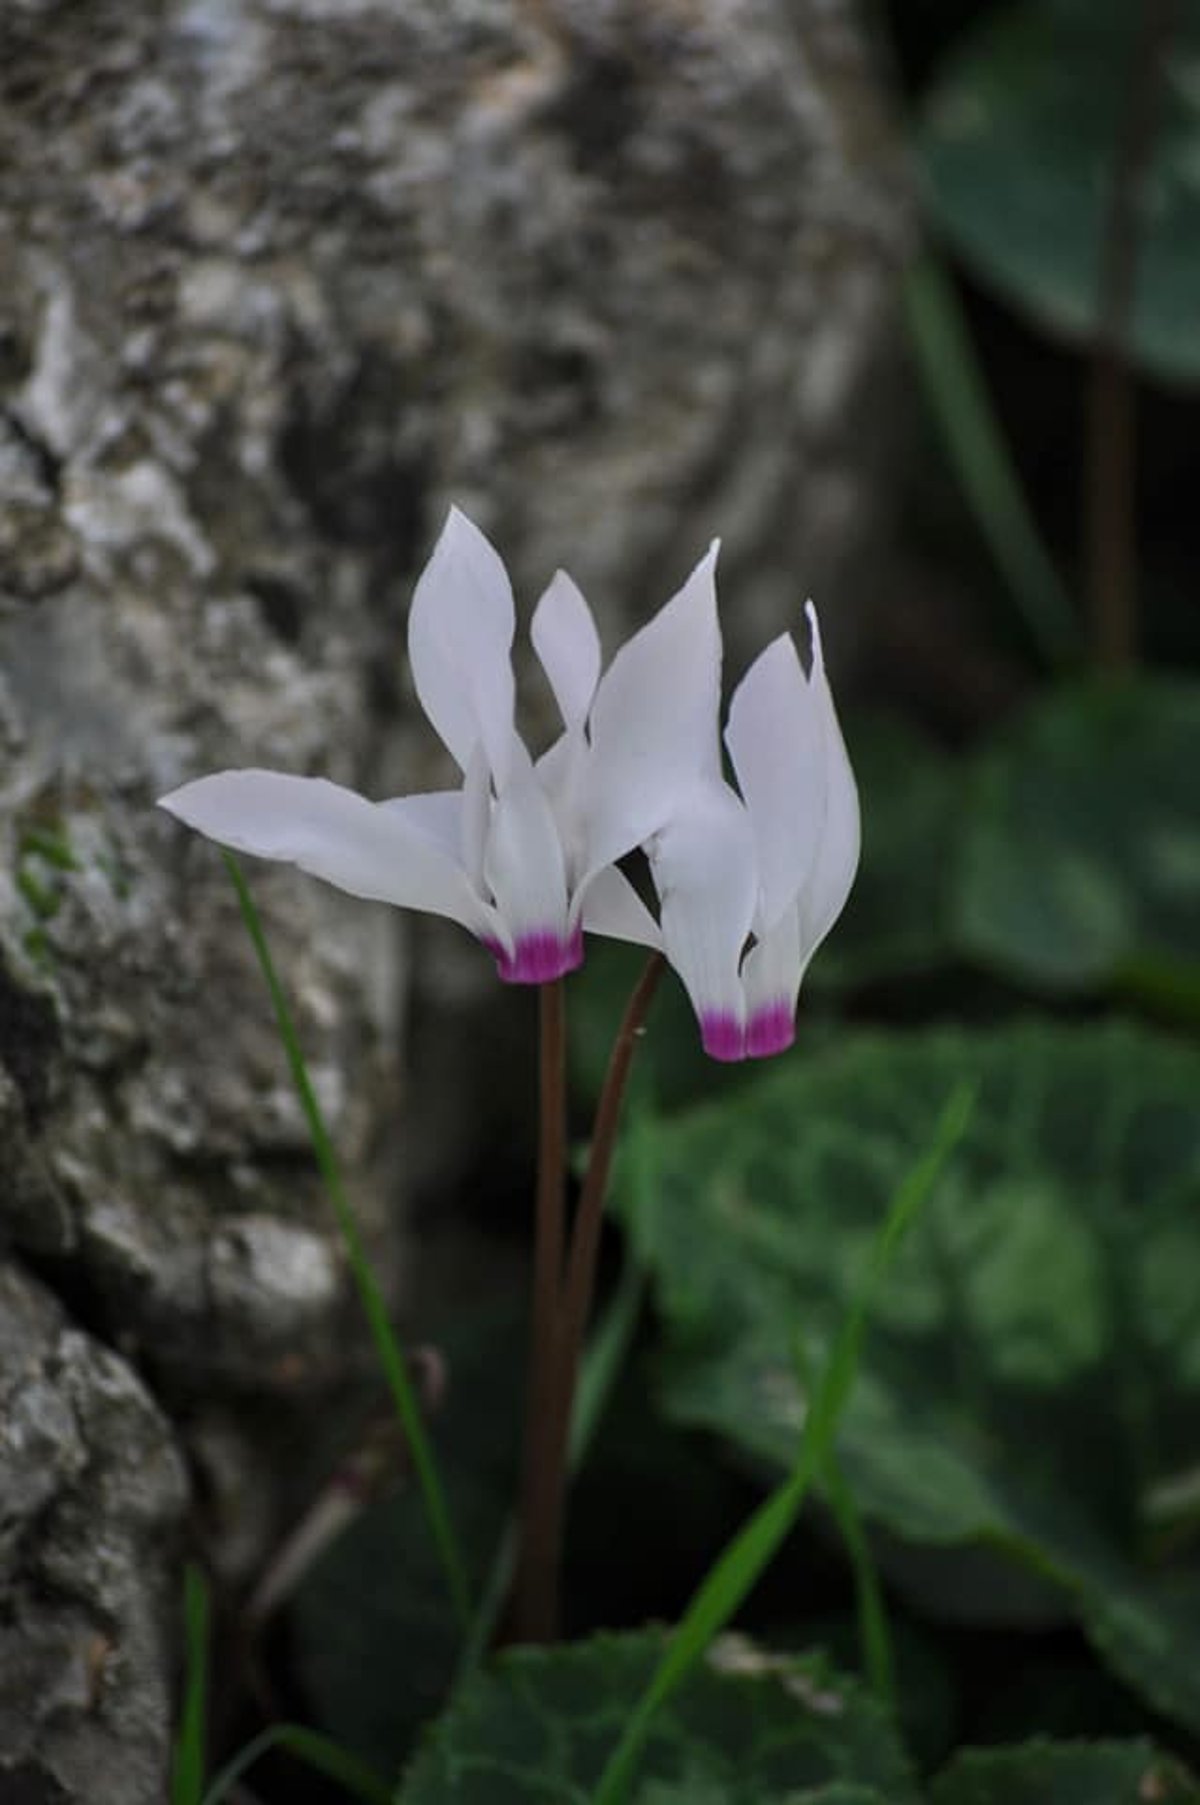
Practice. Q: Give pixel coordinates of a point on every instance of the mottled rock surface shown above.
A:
(278, 278)
(90, 1510)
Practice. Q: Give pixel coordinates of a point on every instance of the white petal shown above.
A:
(561, 770)
(702, 863)
(567, 644)
(771, 974)
(654, 720)
(526, 874)
(475, 817)
(363, 847)
(611, 906)
(435, 813)
(829, 882)
(774, 740)
(460, 634)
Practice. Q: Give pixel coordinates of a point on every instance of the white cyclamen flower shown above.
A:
(750, 885)
(520, 854)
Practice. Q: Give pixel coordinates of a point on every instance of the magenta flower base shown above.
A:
(770, 1031)
(538, 958)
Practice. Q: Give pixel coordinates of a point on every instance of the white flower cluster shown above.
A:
(525, 853)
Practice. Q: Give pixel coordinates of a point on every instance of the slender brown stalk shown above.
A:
(533, 1610)
(585, 1233)
(1109, 449)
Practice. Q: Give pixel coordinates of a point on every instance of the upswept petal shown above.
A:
(476, 816)
(360, 846)
(654, 729)
(610, 905)
(568, 647)
(829, 882)
(702, 863)
(561, 770)
(774, 739)
(525, 872)
(771, 974)
(460, 634)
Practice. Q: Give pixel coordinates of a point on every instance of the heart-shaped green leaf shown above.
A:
(1032, 1381)
(745, 1729)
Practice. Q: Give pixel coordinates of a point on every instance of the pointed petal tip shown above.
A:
(814, 635)
(458, 529)
(567, 645)
(192, 802)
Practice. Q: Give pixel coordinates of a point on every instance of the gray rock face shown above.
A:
(278, 279)
(90, 1510)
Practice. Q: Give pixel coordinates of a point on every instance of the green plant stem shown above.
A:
(727, 1584)
(391, 1359)
(187, 1775)
(533, 1614)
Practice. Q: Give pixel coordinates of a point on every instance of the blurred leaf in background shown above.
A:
(1016, 146)
(1043, 1773)
(1081, 860)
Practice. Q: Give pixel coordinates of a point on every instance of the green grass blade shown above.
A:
(874, 1636)
(725, 1587)
(391, 1358)
(187, 1773)
(316, 1751)
(957, 395)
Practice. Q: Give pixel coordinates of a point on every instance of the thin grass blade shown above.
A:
(391, 1357)
(957, 395)
(187, 1774)
(316, 1751)
(726, 1586)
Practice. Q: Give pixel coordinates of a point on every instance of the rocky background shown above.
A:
(279, 279)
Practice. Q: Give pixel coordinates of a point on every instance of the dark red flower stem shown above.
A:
(562, 1304)
(585, 1236)
(533, 1614)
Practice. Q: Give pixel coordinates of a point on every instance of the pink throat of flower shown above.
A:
(722, 1035)
(770, 1030)
(538, 958)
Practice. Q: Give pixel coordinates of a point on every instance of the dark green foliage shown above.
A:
(1017, 149)
(745, 1729)
(1032, 1380)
